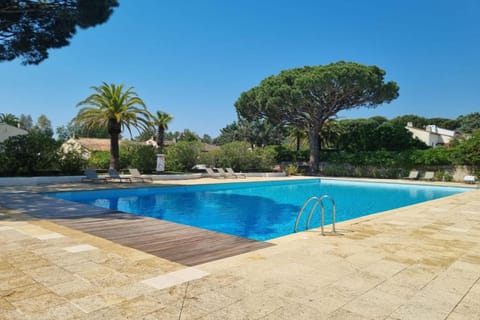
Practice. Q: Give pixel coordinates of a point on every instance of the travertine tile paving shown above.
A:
(420, 262)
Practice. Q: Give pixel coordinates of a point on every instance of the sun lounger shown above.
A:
(238, 175)
(212, 174)
(91, 176)
(429, 175)
(469, 179)
(115, 177)
(135, 175)
(225, 174)
(413, 175)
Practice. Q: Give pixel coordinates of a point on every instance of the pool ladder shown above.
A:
(318, 200)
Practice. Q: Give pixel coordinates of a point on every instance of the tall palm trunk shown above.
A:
(160, 138)
(114, 129)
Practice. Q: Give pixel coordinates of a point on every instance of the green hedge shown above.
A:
(241, 157)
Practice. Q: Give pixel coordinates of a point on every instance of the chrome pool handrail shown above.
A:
(318, 200)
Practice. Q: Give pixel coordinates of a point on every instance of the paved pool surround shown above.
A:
(417, 262)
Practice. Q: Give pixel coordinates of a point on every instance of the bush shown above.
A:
(466, 150)
(241, 157)
(210, 158)
(284, 154)
(72, 162)
(375, 158)
(140, 156)
(291, 170)
(31, 154)
(431, 157)
(99, 160)
(182, 156)
(345, 170)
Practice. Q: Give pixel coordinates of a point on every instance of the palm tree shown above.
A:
(113, 108)
(330, 133)
(161, 120)
(298, 135)
(9, 118)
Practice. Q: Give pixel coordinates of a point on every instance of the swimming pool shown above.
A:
(257, 210)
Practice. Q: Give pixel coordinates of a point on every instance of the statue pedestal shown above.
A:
(160, 162)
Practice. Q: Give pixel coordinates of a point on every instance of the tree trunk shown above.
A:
(160, 138)
(314, 148)
(114, 130)
(298, 142)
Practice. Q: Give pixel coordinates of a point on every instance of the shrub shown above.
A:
(210, 158)
(145, 159)
(182, 156)
(345, 170)
(376, 158)
(431, 157)
(31, 154)
(241, 157)
(99, 160)
(466, 150)
(137, 155)
(284, 154)
(291, 170)
(72, 162)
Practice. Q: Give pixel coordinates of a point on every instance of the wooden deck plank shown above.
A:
(180, 243)
(173, 241)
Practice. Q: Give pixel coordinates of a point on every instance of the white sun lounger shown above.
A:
(469, 179)
(238, 175)
(212, 174)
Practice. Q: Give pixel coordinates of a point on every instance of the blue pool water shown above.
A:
(257, 210)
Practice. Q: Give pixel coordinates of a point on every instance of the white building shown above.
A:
(7, 131)
(431, 135)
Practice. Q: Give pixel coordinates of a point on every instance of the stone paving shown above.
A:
(418, 262)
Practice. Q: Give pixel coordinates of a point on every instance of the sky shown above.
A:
(193, 59)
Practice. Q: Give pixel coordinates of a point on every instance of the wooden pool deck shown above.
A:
(179, 243)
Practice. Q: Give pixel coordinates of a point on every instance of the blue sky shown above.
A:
(192, 59)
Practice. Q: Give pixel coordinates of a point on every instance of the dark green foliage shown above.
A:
(207, 139)
(432, 157)
(469, 122)
(72, 162)
(189, 136)
(99, 160)
(306, 97)
(147, 134)
(374, 134)
(262, 133)
(284, 154)
(182, 156)
(9, 118)
(43, 125)
(466, 150)
(449, 124)
(376, 158)
(393, 137)
(241, 157)
(359, 171)
(232, 132)
(417, 121)
(81, 130)
(356, 135)
(115, 108)
(26, 122)
(28, 28)
(29, 154)
(133, 155)
(140, 156)
(161, 120)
